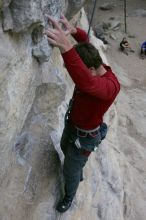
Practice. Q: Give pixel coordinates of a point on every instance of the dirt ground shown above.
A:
(136, 26)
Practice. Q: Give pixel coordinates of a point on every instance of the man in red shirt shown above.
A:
(96, 87)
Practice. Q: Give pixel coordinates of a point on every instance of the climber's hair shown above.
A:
(89, 54)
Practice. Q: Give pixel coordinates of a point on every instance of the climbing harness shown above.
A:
(67, 114)
(94, 6)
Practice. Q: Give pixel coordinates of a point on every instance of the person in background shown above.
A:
(125, 46)
(96, 88)
(143, 50)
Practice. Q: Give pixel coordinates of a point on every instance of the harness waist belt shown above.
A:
(87, 131)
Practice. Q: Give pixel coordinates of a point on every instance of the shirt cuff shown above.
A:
(69, 55)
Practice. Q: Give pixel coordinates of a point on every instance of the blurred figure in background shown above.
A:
(143, 50)
(125, 46)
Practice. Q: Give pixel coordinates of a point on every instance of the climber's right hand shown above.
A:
(58, 37)
(68, 26)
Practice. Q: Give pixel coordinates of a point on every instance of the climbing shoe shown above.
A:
(64, 205)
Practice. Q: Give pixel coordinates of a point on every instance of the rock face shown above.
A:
(107, 6)
(34, 91)
(74, 7)
(24, 154)
(30, 16)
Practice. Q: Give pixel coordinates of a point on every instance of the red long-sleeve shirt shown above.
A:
(94, 94)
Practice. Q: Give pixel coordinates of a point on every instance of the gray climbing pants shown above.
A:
(75, 158)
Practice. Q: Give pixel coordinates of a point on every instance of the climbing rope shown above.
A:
(94, 6)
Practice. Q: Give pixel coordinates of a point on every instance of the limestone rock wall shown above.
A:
(32, 89)
(24, 155)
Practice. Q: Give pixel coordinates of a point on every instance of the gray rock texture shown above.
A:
(29, 16)
(107, 6)
(28, 13)
(74, 6)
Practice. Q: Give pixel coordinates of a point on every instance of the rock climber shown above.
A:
(96, 88)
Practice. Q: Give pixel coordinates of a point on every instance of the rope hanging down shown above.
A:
(125, 15)
(94, 6)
